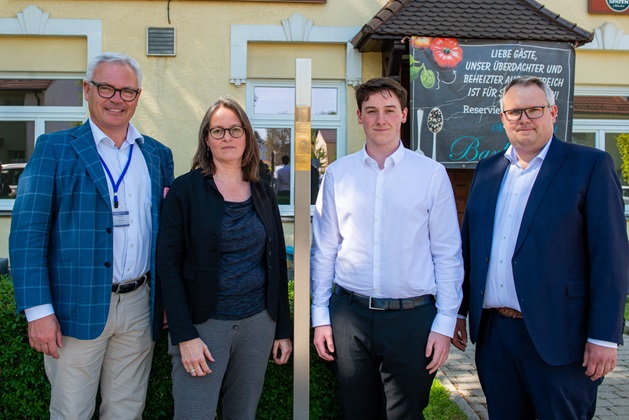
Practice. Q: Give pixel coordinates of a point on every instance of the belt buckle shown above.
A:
(117, 288)
(373, 307)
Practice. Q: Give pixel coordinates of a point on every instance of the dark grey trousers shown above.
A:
(241, 351)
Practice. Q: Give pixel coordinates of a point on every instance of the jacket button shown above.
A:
(270, 239)
(107, 264)
(108, 230)
(269, 253)
(486, 259)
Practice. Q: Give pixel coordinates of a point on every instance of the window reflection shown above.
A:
(41, 92)
(275, 155)
(274, 144)
(17, 141)
(281, 101)
(586, 139)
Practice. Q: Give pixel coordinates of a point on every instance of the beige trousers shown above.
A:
(119, 360)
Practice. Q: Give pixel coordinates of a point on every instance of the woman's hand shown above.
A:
(194, 356)
(282, 350)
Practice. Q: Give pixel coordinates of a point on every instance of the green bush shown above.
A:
(25, 392)
(24, 389)
(623, 148)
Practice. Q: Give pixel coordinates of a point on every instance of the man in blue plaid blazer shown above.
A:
(82, 248)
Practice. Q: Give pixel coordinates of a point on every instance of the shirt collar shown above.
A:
(395, 158)
(511, 155)
(133, 134)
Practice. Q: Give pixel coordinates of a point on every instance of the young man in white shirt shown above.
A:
(386, 265)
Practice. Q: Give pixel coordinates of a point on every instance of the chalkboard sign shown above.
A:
(459, 81)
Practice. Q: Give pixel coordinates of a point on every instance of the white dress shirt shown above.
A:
(132, 244)
(390, 233)
(514, 194)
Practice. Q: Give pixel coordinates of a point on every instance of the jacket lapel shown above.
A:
(552, 162)
(153, 165)
(85, 148)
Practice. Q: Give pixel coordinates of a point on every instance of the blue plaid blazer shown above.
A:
(61, 240)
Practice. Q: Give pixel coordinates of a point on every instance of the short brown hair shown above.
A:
(203, 158)
(377, 85)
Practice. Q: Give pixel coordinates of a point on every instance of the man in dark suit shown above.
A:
(545, 250)
(82, 248)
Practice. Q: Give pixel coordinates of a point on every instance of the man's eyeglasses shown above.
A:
(531, 113)
(218, 133)
(108, 92)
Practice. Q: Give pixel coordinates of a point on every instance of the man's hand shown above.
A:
(438, 347)
(599, 360)
(323, 342)
(194, 356)
(460, 335)
(282, 350)
(44, 335)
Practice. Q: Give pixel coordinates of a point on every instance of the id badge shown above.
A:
(121, 218)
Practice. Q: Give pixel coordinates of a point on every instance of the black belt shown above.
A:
(131, 285)
(382, 304)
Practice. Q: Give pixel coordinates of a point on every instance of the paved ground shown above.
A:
(459, 375)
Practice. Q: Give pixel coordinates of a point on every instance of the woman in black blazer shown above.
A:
(221, 261)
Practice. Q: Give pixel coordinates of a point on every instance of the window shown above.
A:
(28, 109)
(271, 108)
(602, 134)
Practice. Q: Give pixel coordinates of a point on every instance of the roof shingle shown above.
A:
(601, 105)
(472, 19)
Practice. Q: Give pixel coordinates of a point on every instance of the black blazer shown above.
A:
(188, 254)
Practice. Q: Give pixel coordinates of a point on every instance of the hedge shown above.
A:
(25, 392)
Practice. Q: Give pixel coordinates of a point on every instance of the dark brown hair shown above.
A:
(203, 158)
(379, 85)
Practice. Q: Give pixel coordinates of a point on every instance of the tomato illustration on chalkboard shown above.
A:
(420, 42)
(446, 52)
(418, 69)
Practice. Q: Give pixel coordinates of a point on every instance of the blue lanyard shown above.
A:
(116, 185)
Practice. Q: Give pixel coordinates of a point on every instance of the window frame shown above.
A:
(39, 115)
(337, 122)
(600, 128)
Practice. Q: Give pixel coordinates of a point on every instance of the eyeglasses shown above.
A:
(531, 113)
(108, 92)
(218, 133)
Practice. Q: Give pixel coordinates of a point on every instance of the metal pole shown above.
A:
(301, 385)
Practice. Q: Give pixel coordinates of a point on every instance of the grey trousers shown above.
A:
(241, 351)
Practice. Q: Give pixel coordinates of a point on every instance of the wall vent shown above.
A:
(160, 41)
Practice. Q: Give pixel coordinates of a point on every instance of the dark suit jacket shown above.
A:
(570, 263)
(188, 254)
(61, 242)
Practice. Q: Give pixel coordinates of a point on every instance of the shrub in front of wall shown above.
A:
(25, 392)
(24, 389)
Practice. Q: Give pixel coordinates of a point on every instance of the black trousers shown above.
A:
(380, 360)
(519, 385)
